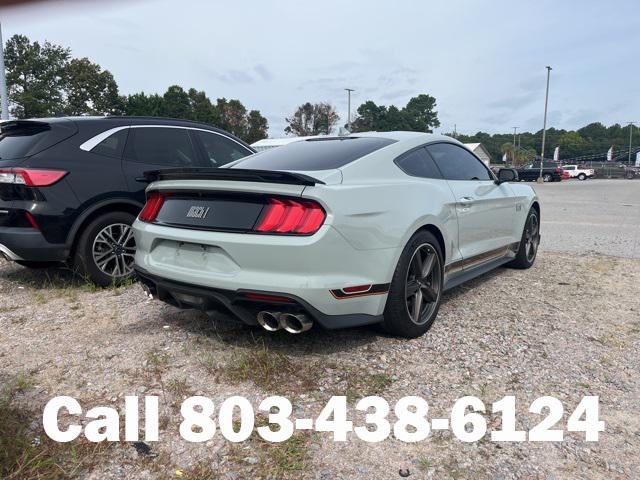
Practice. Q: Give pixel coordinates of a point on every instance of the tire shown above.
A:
(547, 177)
(31, 264)
(582, 177)
(529, 242)
(630, 175)
(104, 253)
(422, 252)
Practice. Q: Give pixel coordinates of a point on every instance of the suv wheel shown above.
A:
(547, 177)
(582, 176)
(106, 249)
(416, 288)
(630, 175)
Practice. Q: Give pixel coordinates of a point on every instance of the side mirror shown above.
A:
(507, 175)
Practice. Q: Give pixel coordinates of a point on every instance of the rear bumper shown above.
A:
(236, 303)
(28, 244)
(308, 267)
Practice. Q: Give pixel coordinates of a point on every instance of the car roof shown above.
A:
(412, 137)
(116, 121)
(129, 120)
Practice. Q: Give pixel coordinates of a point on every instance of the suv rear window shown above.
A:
(22, 138)
(314, 154)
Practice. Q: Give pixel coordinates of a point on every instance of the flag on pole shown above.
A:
(504, 158)
(638, 159)
(610, 154)
(556, 154)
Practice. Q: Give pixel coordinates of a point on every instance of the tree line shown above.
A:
(590, 142)
(44, 80)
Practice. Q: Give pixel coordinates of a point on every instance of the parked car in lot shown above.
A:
(551, 172)
(70, 187)
(615, 170)
(341, 231)
(579, 171)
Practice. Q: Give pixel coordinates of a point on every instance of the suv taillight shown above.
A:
(155, 200)
(286, 216)
(31, 177)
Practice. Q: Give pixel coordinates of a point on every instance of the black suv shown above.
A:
(70, 188)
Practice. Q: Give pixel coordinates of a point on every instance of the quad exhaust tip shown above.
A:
(270, 321)
(291, 322)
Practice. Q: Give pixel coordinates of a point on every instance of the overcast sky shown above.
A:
(482, 60)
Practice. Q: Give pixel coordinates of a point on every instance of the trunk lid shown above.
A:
(231, 200)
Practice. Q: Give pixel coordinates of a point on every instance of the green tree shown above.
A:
(177, 103)
(202, 110)
(35, 77)
(421, 114)
(369, 117)
(90, 90)
(418, 115)
(143, 105)
(312, 119)
(257, 127)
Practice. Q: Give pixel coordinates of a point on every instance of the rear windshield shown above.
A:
(24, 138)
(314, 154)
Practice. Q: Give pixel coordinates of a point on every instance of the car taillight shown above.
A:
(286, 216)
(155, 200)
(558, 170)
(31, 177)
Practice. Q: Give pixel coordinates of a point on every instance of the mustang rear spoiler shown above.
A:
(231, 174)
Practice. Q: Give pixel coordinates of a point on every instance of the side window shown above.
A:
(457, 163)
(418, 163)
(161, 146)
(113, 145)
(221, 150)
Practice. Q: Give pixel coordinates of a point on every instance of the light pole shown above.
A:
(513, 150)
(4, 101)
(630, 139)
(349, 90)
(544, 127)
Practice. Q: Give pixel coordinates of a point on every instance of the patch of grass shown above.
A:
(612, 341)
(39, 297)
(7, 309)
(270, 370)
(360, 384)
(424, 464)
(157, 360)
(282, 460)
(179, 388)
(27, 453)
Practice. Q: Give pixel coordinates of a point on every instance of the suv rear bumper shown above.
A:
(184, 295)
(28, 244)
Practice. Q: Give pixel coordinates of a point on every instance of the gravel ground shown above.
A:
(596, 215)
(568, 327)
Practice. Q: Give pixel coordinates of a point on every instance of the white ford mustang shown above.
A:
(342, 231)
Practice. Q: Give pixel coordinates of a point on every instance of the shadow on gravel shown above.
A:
(55, 277)
(222, 328)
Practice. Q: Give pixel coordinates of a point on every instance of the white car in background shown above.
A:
(579, 172)
(341, 231)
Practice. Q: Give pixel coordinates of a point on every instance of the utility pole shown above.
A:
(513, 150)
(4, 101)
(544, 127)
(630, 139)
(349, 90)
